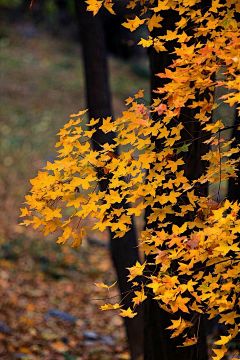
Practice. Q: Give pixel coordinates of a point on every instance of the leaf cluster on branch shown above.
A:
(197, 263)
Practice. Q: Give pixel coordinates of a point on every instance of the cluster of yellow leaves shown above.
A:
(95, 5)
(205, 247)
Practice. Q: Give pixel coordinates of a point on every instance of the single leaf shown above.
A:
(127, 313)
(102, 285)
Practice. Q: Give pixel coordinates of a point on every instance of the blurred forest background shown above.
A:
(46, 306)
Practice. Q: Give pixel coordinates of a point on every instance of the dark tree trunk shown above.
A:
(124, 251)
(234, 183)
(63, 13)
(157, 342)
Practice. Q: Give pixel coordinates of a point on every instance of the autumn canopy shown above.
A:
(192, 237)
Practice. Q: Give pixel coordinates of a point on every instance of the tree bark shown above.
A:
(157, 342)
(124, 251)
(234, 183)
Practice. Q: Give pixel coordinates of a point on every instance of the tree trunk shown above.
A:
(123, 251)
(157, 342)
(63, 14)
(234, 183)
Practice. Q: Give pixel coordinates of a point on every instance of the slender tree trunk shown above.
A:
(124, 251)
(63, 14)
(157, 342)
(234, 183)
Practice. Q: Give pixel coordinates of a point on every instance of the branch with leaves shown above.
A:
(205, 249)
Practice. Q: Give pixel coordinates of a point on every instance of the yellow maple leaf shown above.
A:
(146, 42)
(110, 307)
(220, 353)
(133, 24)
(192, 198)
(93, 122)
(175, 324)
(82, 112)
(25, 212)
(127, 313)
(215, 127)
(173, 195)
(107, 125)
(179, 303)
(78, 238)
(178, 326)
(140, 94)
(160, 213)
(215, 6)
(224, 248)
(137, 211)
(195, 307)
(229, 318)
(154, 21)
(94, 6)
(189, 341)
(224, 340)
(129, 100)
(140, 296)
(109, 6)
(173, 165)
(50, 213)
(102, 285)
(182, 23)
(171, 35)
(179, 230)
(162, 5)
(159, 46)
(136, 270)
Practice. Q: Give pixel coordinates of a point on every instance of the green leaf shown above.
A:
(183, 148)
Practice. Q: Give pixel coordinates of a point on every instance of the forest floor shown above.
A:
(47, 309)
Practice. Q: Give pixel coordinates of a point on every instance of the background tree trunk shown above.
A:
(124, 251)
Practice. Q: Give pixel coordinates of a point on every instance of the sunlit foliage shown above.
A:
(150, 172)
